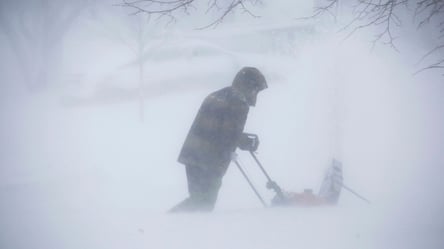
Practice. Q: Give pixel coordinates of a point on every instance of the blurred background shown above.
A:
(97, 96)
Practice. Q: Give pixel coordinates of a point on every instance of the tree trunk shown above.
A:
(141, 89)
(36, 39)
(141, 49)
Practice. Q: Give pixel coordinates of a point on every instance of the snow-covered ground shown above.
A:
(93, 177)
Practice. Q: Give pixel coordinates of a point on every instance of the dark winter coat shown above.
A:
(216, 129)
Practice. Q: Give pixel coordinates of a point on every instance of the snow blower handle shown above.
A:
(270, 184)
(250, 183)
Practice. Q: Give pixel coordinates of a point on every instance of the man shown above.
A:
(214, 135)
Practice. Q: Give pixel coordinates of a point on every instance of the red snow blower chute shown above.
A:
(329, 191)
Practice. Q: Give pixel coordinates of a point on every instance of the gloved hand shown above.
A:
(248, 142)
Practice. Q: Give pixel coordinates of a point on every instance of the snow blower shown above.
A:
(329, 192)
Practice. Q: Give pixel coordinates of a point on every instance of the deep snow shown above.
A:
(95, 177)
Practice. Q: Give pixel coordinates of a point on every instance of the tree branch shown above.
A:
(169, 8)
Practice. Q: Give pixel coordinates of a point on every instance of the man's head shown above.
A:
(249, 81)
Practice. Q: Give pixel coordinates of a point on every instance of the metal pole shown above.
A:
(273, 184)
(356, 194)
(249, 182)
(260, 166)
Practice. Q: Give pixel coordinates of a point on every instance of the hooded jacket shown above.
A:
(216, 129)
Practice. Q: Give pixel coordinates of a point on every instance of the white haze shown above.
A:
(80, 170)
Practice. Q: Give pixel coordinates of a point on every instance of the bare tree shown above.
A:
(171, 8)
(135, 32)
(385, 15)
(35, 30)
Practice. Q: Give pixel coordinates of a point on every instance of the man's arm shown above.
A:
(233, 124)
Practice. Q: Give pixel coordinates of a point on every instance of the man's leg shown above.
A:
(189, 204)
(206, 185)
(203, 186)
